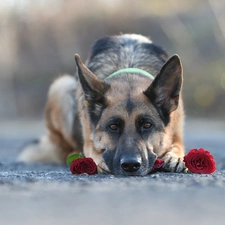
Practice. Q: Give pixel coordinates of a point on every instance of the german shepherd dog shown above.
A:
(124, 110)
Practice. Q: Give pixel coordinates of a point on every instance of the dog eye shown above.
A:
(113, 127)
(147, 125)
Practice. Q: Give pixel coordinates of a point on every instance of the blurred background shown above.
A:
(38, 41)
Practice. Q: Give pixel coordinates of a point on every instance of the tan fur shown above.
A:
(176, 151)
(46, 151)
(58, 142)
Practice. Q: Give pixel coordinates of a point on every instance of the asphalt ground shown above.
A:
(50, 194)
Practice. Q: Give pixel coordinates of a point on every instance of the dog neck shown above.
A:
(131, 70)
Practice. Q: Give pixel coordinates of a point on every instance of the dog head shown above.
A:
(129, 114)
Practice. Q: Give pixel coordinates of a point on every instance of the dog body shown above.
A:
(123, 121)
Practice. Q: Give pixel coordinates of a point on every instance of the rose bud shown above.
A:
(83, 165)
(200, 161)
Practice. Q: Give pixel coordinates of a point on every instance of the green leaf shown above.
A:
(72, 157)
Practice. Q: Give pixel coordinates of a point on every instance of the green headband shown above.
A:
(131, 70)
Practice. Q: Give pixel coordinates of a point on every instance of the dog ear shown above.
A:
(164, 91)
(92, 86)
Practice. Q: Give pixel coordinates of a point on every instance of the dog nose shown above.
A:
(130, 165)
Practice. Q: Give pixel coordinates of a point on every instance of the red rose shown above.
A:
(200, 161)
(158, 164)
(83, 165)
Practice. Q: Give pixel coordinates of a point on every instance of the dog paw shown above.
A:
(173, 163)
(102, 168)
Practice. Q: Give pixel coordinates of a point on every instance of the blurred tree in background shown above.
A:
(38, 41)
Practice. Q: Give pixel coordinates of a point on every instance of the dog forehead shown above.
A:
(128, 85)
(130, 106)
(127, 99)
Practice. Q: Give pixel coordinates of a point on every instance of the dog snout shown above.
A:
(130, 164)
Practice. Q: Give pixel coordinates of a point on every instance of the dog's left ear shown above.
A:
(164, 91)
(92, 86)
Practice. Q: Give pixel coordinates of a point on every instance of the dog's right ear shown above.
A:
(92, 86)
